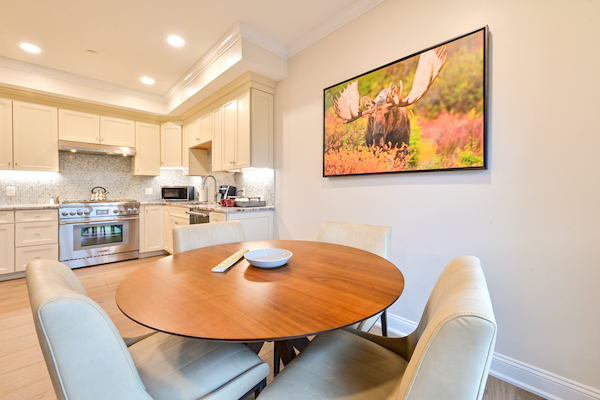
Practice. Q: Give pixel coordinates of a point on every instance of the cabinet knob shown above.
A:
(9, 163)
(197, 138)
(98, 139)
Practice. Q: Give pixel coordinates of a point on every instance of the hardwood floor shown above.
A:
(23, 373)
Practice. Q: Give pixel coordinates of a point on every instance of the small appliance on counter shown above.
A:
(227, 191)
(202, 194)
(250, 202)
(178, 193)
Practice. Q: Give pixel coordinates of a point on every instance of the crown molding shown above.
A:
(78, 79)
(349, 14)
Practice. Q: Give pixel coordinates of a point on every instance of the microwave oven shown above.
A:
(177, 193)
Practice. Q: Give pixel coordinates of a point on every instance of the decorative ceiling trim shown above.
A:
(349, 14)
(78, 79)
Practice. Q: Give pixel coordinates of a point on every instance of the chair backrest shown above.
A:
(374, 238)
(84, 352)
(451, 350)
(196, 236)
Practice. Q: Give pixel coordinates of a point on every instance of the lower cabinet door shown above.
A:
(7, 246)
(24, 255)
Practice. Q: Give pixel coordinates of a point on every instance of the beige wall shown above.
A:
(533, 218)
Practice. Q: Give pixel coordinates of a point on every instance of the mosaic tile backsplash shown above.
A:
(79, 173)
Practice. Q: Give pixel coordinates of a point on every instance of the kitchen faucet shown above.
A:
(216, 186)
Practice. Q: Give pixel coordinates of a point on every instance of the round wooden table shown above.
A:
(323, 287)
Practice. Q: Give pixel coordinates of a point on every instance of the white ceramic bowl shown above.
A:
(268, 258)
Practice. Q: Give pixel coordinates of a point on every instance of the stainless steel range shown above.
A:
(93, 233)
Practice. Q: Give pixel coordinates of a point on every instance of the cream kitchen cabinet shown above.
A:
(35, 137)
(36, 236)
(201, 131)
(7, 242)
(78, 127)
(146, 161)
(194, 161)
(6, 134)
(117, 132)
(151, 228)
(174, 216)
(258, 225)
(170, 145)
(246, 131)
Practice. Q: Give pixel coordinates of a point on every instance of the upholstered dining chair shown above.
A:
(374, 238)
(196, 236)
(88, 359)
(447, 357)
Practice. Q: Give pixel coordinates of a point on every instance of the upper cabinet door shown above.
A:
(78, 127)
(147, 158)
(228, 135)
(117, 132)
(242, 138)
(6, 134)
(195, 133)
(206, 128)
(217, 138)
(35, 135)
(170, 148)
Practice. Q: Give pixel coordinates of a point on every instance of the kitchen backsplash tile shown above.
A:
(79, 173)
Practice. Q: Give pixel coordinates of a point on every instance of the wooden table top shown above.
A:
(323, 287)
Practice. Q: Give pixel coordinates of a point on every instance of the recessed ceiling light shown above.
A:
(92, 52)
(30, 48)
(176, 41)
(147, 81)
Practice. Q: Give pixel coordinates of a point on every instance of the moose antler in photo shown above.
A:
(388, 123)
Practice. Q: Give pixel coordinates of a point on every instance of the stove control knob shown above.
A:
(135, 209)
(79, 212)
(121, 210)
(87, 212)
(72, 212)
(65, 213)
(129, 211)
(116, 211)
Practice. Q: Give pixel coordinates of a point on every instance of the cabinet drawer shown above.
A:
(24, 255)
(7, 217)
(217, 217)
(36, 215)
(178, 212)
(36, 233)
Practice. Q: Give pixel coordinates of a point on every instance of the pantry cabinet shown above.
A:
(151, 228)
(170, 147)
(246, 131)
(35, 137)
(6, 134)
(146, 161)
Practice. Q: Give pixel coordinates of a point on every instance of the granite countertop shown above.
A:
(196, 205)
(13, 207)
(208, 207)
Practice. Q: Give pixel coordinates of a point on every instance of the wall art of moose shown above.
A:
(425, 112)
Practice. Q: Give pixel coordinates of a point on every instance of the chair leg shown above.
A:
(384, 323)
(256, 389)
(276, 360)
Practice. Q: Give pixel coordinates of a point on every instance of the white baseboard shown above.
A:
(532, 379)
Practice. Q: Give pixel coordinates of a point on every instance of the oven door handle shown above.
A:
(112, 221)
(197, 213)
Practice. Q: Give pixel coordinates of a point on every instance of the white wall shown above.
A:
(533, 218)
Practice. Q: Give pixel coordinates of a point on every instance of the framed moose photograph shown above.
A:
(424, 112)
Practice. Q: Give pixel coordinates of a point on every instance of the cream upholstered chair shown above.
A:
(374, 238)
(196, 236)
(447, 357)
(88, 359)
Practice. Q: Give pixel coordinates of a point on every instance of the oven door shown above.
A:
(85, 239)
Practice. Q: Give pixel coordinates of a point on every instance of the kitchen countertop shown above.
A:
(196, 205)
(208, 206)
(14, 207)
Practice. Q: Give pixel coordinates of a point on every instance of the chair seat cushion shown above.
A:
(339, 365)
(174, 367)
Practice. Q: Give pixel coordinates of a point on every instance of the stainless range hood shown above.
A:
(95, 148)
